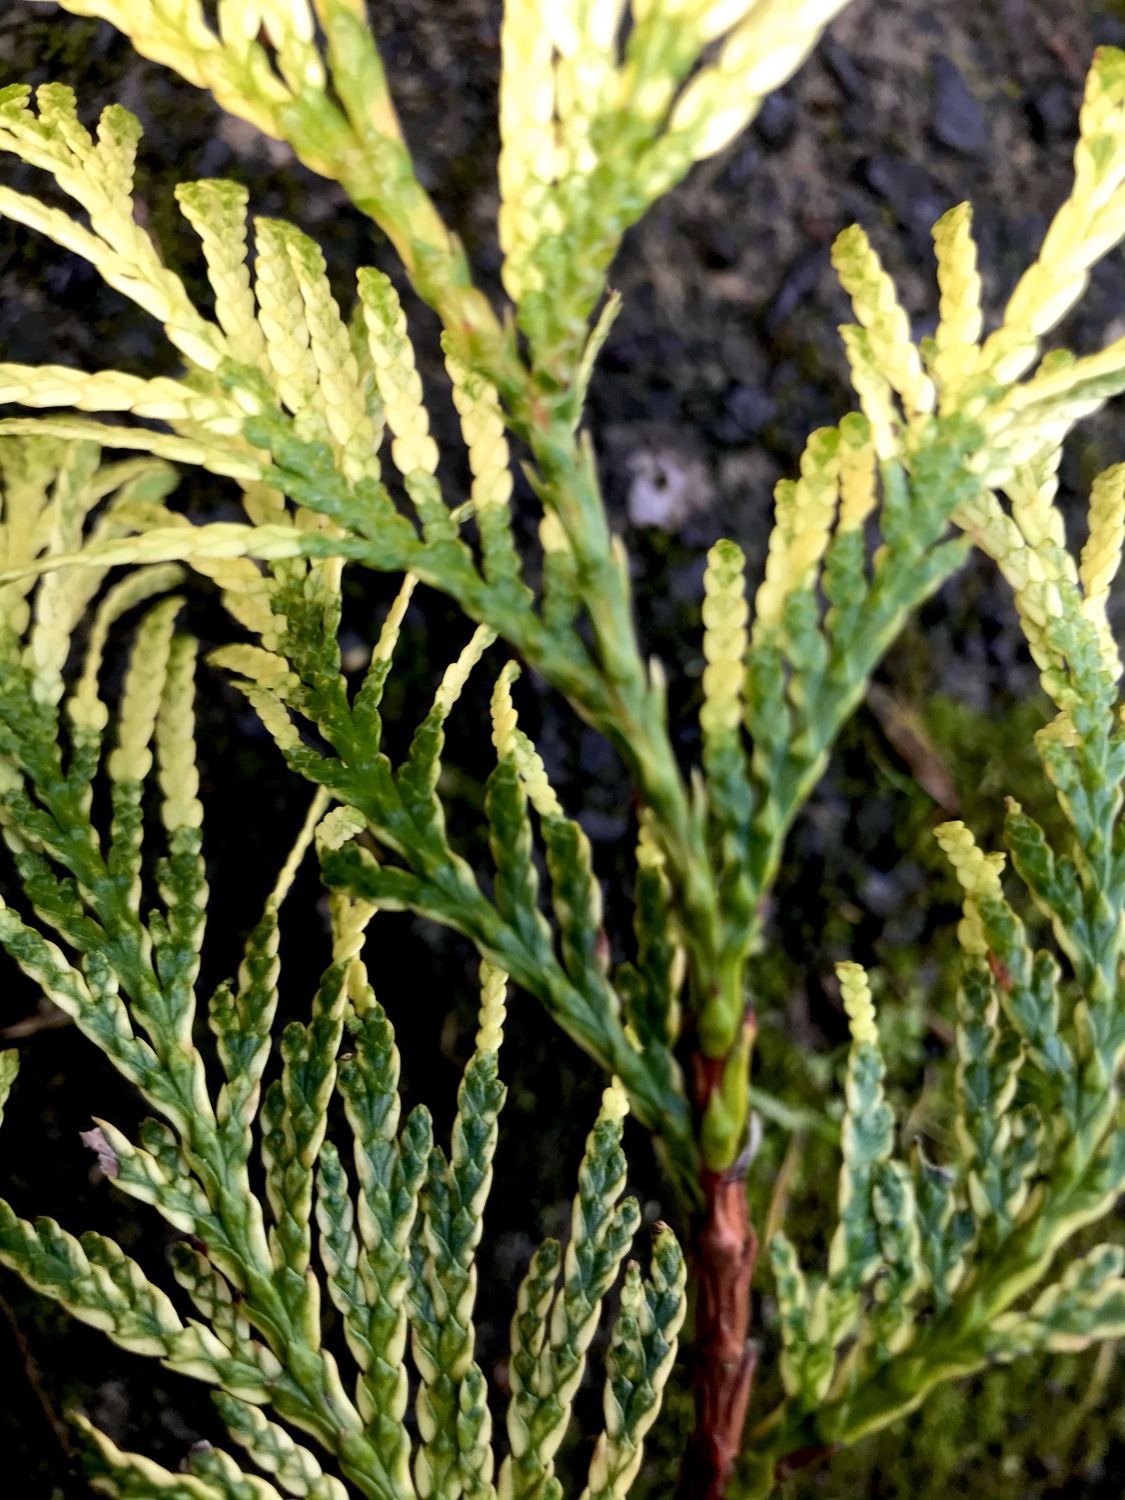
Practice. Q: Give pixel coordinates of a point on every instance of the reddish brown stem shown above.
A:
(724, 1250)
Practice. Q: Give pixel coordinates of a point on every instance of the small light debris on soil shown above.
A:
(666, 488)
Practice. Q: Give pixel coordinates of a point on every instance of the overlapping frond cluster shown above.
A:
(311, 74)
(321, 394)
(595, 125)
(599, 118)
(861, 537)
(937, 1268)
(396, 1234)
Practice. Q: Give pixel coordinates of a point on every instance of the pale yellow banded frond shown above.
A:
(175, 742)
(161, 398)
(281, 316)
(99, 179)
(510, 740)
(175, 34)
(584, 33)
(292, 33)
(61, 597)
(216, 210)
(118, 136)
(859, 486)
(493, 1008)
(505, 720)
(271, 1447)
(855, 992)
(978, 875)
(1101, 556)
(131, 759)
(257, 665)
(884, 319)
(873, 390)
(85, 709)
(54, 224)
(482, 427)
(1032, 573)
(1087, 226)
(1034, 417)
(220, 539)
(527, 143)
(339, 392)
(456, 675)
(961, 319)
(392, 624)
(725, 639)
(143, 1476)
(314, 821)
(1032, 490)
(805, 515)
(233, 462)
(400, 385)
(757, 57)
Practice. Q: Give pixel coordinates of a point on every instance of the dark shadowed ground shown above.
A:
(723, 360)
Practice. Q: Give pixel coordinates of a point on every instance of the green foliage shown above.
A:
(398, 1253)
(935, 1268)
(948, 1253)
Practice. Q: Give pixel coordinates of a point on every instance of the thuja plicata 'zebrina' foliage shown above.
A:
(396, 1245)
(302, 405)
(939, 1268)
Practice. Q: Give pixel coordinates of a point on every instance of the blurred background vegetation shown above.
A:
(724, 358)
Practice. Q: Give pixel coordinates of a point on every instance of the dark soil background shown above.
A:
(723, 360)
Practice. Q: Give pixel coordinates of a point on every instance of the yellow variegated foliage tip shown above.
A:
(615, 1101)
(457, 673)
(392, 624)
(768, 43)
(859, 493)
(400, 385)
(1032, 572)
(533, 774)
(650, 856)
(217, 213)
(493, 1007)
(725, 616)
(87, 713)
(552, 537)
(855, 992)
(978, 875)
(175, 737)
(162, 399)
(873, 389)
(337, 827)
(350, 920)
(319, 826)
(175, 33)
(527, 142)
(131, 759)
(273, 715)
(960, 317)
(98, 176)
(510, 740)
(281, 316)
(1090, 222)
(482, 427)
(585, 38)
(803, 524)
(505, 720)
(881, 315)
(339, 392)
(1101, 555)
(1032, 490)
